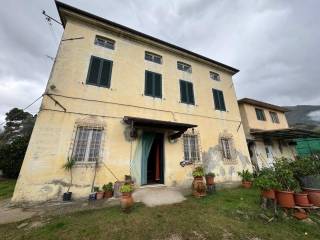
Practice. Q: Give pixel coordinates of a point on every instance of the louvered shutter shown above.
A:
(157, 80)
(221, 100)
(93, 72)
(190, 93)
(148, 90)
(215, 98)
(105, 77)
(183, 91)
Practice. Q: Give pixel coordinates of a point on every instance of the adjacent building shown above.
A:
(267, 132)
(120, 102)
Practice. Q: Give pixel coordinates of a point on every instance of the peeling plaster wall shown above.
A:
(42, 177)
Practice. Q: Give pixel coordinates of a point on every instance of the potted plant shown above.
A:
(267, 183)
(68, 167)
(247, 178)
(287, 183)
(99, 193)
(198, 186)
(108, 190)
(301, 199)
(210, 178)
(126, 197)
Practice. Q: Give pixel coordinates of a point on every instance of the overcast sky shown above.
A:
(275, 44)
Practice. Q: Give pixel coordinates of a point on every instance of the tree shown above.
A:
(14, 141)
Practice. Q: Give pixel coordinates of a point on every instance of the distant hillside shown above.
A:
(304, 116)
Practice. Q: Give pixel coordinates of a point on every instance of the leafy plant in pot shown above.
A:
(267, 183)
(198, 186)
(287, 183)
(68, 167)
(210, 178)
(247, 178)
(126, 197)
(108, 190)
(99, 193)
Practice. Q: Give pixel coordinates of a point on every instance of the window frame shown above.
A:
(153, 85)
(185, 67)
(220, 105)
(102, 60)
(188, 97)
(153, 56)
(193, 151)
(213, 74)
(226, 148)
(88, 145)
(110, 42)
(263, 114)
(274, 117)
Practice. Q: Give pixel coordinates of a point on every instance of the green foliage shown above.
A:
(11, 156)
(108, 187)
(266, 179)
(284, 175)
(246, 175)
(69, 164)
(198, 172)
(96, 189)
(210, 174)
(126, 188)
(7, 188)
(305, 166)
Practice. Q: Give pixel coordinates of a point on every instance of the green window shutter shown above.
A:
(106, 70)
(148, 88)
(93, 72)
(157, 79)
(183, 91)
(190, 93)
(215, 99)
(221, 100)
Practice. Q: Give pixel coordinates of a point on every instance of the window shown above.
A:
(153, 84)
(260, 114)
(87, 144)
(153, 57)
(274, 117)
(104, 42)
(191, 148)
(226, 148)
(186, 92)
(215, 76)
(218, 100)
(99, 73)
(184, 67)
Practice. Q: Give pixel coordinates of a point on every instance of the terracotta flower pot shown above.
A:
(99, 195)
(209, 180)
(108, 194)
(301, 199)
(314, 197)
(301, 215)
(198, 187)
(270, 194)
(246, 184)
(285, 199)
(126, 201)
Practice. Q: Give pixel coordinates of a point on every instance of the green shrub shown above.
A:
(126, 188)
(198, 172)
(306, 166)
(246, 175)
(210, 174)
(108, 187)
(266, 179)
(284, 175)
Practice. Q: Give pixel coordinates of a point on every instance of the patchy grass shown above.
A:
(229, 214)
(6, 188)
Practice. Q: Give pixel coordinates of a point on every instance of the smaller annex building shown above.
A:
(267, 132)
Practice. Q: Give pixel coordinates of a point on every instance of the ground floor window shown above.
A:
(226, 148)
(87, 144)
(191, 147)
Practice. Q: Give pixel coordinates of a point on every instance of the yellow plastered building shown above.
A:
(120, 102)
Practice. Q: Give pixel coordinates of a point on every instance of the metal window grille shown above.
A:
(87, 144)
(191, 147)
(184, 67)
(215, 76)
(153, 57)
(226, 148)
(104, 42)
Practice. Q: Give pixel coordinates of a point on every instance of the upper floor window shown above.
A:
(153, 57)
(87, 144)
(184, 67)
(215, 76)
(153, 84)
(260, 114)
(218, 100)
(274, 117)
(191, 147)
(99, 73)
(104, 42)
(186, 92)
